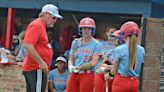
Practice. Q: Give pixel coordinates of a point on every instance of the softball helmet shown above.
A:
(87, 22)
(129, 28)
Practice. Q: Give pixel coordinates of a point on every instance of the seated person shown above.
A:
(59, 76)
(3, 55)
(19, 56)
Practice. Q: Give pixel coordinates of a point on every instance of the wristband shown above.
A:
(86, 66)
(110, 74)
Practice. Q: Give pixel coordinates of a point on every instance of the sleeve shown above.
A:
(97, 50)
(32, 34)
(73, 47)
(116, 55)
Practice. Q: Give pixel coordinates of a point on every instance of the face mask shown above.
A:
(110, 37)
(87, 32)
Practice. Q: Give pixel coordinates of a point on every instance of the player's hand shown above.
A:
(104, 65)
(43, 66)
(108, 68)
(106, 76)
(72, 69)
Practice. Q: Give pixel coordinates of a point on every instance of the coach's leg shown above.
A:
(30, 78)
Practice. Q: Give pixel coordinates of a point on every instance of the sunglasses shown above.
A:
(53, 17)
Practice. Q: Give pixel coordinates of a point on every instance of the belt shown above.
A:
(85, 71)
(131, 77)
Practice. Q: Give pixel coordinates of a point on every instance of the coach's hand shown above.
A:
(43, 66)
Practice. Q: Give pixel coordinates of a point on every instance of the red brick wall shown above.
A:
(153, 47)
(11, 79)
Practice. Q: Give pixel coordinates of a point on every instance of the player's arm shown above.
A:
(89, 65)
(115, 67)
(30, 50)
(16, 51)
(96, 54)
(94, 60)
(95, 57)
(72, 52)
(51, 86)
(71, 59)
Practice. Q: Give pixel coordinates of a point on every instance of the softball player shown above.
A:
(128, 59)
(118, 40)
(107, 46)
(84, 54)
(59, 76)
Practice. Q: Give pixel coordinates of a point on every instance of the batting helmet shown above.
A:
(129, 28)
(87, 22)
(120, 37)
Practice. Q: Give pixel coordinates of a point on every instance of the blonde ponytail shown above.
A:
(132, 51)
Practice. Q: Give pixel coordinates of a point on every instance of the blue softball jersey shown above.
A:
(83, 53)
(121, 55)
(59, 80)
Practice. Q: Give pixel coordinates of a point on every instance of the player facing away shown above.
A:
(128, 59)
(84, 54)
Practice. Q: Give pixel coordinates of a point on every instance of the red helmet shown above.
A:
(129, 28)
(87, 22)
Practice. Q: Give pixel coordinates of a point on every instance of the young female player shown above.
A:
(128, 59)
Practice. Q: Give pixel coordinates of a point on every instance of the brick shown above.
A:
(153, 47)
(16, 90)
(11, 79)
(152, 35)
(150, 86)
(151, 61)
(151, 74)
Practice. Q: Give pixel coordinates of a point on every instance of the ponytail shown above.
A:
(132, 51)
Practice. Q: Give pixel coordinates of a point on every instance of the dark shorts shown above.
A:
(36, 81)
